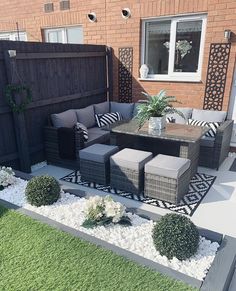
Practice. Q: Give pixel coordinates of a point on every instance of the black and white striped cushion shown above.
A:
(84, 130)
(107, 118)
(212, 125)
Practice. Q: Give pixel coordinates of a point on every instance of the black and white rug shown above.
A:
(198, 188)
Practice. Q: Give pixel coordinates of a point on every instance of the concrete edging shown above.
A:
(218, 278)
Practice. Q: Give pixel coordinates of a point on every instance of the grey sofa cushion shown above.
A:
(86, 116)
(64, 119)
(206, 141)
(167, 166)
(187, 112)
(135, 111)
(131, 159)
(209, 115)
(97, 135)
(125, 109)
(102, 108)
(98, 152)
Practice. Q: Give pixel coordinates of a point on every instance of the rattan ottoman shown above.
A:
(127, 170)
(95, 163)
(167, 178)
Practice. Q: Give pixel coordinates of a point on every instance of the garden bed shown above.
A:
(134, 242)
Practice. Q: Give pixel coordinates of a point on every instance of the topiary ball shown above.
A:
(175, 235)
(42, 190)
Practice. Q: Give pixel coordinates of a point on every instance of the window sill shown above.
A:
(172, 80)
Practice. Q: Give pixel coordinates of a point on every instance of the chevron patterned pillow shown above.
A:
(84, 130)
(212, 125)
(107, 118)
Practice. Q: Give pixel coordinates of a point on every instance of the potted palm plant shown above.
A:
(155, 109)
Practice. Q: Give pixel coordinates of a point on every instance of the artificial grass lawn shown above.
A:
(35, 256)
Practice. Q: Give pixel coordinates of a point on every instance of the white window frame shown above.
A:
(61, 29)
(176, 76)
(12, 35)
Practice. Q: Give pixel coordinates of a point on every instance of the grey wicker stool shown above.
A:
(167, 178)
(95, 163)
(127, 170)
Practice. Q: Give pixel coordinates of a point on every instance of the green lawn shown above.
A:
(34, 256)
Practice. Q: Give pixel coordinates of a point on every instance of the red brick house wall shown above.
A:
(111, 29)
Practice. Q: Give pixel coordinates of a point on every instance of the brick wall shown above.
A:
(113, 30)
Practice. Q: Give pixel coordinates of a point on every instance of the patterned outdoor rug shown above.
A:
(198, 188)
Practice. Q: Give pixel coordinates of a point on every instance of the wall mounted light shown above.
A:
(227, 34)
(126, 13)
(92, 17)
(12, 53)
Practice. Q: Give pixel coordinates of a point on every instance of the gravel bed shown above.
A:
(137, 238)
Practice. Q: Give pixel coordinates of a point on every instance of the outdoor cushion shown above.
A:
(125, 109)
(167, 166)
(64, 119)
(135, 110)
(83, 128)
(206, 141)
(107, 118)
(131, 159)
(86, 116)
(209, 115)
(101, 136)
(179, 119)
(98, 152)
(102, 108)
(212, 126)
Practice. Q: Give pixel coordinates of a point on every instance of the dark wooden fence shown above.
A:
(60, 77)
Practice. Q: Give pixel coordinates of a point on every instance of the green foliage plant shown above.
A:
(42, 190)
(156, 106)
(175, 235)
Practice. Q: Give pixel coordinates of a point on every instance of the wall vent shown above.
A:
(64, 5)
(48, 7)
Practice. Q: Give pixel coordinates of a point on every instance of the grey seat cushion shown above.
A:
(131, 159)
(64, 119)
(187, 112)
(98, 152)
(86, 116)
(125, 109)
(97, 135)
(167, 166)
(209, 115)
(207, 141)
(102, 108)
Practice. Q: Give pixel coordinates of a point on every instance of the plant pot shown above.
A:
(157, 123)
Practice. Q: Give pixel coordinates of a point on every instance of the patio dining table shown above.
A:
(175, 139)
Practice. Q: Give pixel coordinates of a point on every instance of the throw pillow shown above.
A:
(80, 126)
(212, 125)
(107, 118)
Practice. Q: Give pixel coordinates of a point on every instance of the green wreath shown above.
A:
(12, 89)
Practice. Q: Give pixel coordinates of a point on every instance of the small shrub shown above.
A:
(176, 236)
(42, 190)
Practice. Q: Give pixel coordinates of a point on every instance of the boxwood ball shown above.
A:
(175, 235)
(42, 190)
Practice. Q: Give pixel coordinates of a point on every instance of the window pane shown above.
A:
(54, 36)
(75, 34)
(157, 46)
(188, 37)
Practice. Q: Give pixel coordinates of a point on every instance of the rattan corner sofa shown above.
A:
(62, 124)
(213, 151)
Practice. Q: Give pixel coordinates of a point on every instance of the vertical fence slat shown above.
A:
(19, 119)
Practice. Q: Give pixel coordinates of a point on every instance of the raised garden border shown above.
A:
(218, 278)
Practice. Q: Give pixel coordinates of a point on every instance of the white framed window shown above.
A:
(70, 34)
(14, 35)
(172, 48)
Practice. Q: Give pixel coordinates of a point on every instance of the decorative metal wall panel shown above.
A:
(216, 75)
(125, 74)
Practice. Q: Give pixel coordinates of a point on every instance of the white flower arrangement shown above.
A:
(104, 210)
(7, 177)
